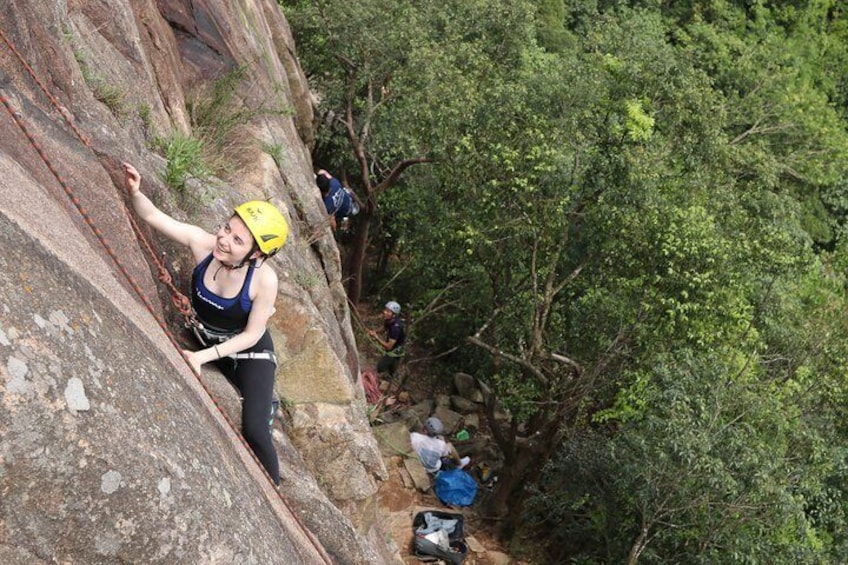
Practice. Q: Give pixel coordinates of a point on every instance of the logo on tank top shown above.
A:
(208, 301)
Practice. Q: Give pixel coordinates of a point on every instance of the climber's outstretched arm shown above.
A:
(198, 240)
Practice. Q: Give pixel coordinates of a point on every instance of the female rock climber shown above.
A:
(232, 295)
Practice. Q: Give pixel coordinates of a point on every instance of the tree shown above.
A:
(705, 473)
(777, 68)
(718, 456)
(772, 270)
(606, 217)
(410, 68)
(546, 187)
(627, 226)
(355, 75)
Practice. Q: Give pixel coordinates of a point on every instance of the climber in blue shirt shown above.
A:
(338, 200)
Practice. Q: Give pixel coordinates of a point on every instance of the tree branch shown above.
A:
(474, 340)
(568, 361)
(490, 401)
(356, 142)
(573, 275)
(433, 357)
(369, 113)
(398, 169)
(756, 129)
(434, 305)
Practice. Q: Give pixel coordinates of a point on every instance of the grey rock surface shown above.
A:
(143, 469)
(112, 451)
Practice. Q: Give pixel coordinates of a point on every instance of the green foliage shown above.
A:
(774, 66)
(144, 114)
(276, 151)
(551, 32)
(710, 469)
(185, 160)
(110, 95)
(638, 124)
(653, 191)
(218, 114)
(307, 280)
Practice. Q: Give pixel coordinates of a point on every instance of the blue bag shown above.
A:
(455, 487)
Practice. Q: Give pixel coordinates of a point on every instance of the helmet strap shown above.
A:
(247, 259)
(228, 268)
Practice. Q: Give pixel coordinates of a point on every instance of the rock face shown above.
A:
(111, 449)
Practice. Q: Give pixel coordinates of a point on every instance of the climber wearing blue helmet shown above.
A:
(395, 337)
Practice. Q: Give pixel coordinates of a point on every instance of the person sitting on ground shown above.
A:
(395, 337)
(339, 201)
(232, 296)
(434, 452)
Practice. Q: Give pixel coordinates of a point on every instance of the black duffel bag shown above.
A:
(439, 535)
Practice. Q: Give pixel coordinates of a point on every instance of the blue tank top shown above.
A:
(217, 313)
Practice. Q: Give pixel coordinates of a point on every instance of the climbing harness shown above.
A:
(209, 336)
(180, 301)
(396, 352)
(206, 335)
(259, 355)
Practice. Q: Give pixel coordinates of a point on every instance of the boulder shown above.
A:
(474, 545)
(497, 558)
(462, 405)
(442, 401)
(393, 439)
(476, 448)
(417, 414)
(471, 422)
(466, 387)
(420, 477)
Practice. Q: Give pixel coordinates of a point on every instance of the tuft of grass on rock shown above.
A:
(185, 157)
(276, 151)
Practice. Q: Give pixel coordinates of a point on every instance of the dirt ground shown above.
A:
(400, 501)
(400, 504)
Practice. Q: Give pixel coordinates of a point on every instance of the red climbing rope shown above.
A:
(180, 301)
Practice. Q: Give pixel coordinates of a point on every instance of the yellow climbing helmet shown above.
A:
(267, 225)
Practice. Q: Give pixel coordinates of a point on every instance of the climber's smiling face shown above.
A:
(234, 242)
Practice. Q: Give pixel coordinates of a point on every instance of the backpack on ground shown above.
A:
(439, 536)
(455, 487)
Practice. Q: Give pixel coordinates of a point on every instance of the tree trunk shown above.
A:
(507, 500)
(356, 260)
(524, 460)
(638, 546)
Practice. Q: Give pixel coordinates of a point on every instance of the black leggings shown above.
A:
(254, 379)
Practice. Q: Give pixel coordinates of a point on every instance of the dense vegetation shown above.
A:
(631, 217)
